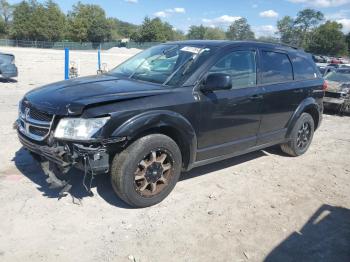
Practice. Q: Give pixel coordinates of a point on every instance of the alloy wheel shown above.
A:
(153, 173)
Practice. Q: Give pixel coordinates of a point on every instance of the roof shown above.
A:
(221, 43)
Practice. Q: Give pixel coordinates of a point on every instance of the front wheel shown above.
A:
(146, 172)
(301, 136)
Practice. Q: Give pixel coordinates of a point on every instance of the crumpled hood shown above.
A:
(338, 87)
(72, 96)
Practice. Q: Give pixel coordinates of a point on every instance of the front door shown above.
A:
(230, 119)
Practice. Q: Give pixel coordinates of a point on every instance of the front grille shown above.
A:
(35, 113)
(34, 123)
(38, 131)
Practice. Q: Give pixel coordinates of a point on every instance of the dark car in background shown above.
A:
(8, 68)
(171, 108)
(337, 95)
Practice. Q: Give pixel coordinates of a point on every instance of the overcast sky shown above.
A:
(262, 15)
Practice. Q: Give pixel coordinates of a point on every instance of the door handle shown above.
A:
(298, 91)
(256, 97)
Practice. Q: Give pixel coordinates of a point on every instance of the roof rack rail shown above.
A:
(279, 43)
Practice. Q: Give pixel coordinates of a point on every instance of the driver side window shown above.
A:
(241, 65)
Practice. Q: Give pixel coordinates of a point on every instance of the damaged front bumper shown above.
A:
(93, 159)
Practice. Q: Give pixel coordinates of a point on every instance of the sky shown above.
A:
(261, 15)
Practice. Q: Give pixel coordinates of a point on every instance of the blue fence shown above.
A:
(74, 45)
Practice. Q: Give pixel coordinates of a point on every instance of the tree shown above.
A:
(21, 25)
(347, 39)
(269, 39)
(120, 29)
(240, 30)
(286, 31)
(307, 20)
(154, 30)
(56, 22)
(328, 39)
(6, 11)
(300, 30)
(88, 23)
(196, 32)
(35, 21)
(214, 34)
(3, 30)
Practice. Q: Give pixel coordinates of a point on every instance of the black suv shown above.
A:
(174, 107)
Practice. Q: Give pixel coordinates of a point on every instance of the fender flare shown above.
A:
(306, 105)
(156, 120)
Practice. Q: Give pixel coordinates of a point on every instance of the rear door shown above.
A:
(281, 97)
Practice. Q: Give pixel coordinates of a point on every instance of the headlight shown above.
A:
(79, 128)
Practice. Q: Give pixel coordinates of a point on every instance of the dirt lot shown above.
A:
(260, 206)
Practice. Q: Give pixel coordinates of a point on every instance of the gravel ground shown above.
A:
(260, 206)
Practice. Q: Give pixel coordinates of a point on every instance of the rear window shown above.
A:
(276, 68)
(5, 59)
(303, 69)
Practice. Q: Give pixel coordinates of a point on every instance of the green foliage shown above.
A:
(209, 33)
(21, 24)
(154, 30)
(300, 30)
(328, 39)
(35, 21)
(88, 23)
(214, 34)
(347, 39)
(268, 39)
(240, 30)
(2, 27)
(120, 29)
(6, 11)
(196, 32)
(286, 30)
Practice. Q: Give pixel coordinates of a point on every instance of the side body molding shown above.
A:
(162, 120)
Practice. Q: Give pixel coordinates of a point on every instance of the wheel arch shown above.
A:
(164, 122)
(309, 106)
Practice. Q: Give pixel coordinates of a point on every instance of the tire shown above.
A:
(294, 147)
(149, 158)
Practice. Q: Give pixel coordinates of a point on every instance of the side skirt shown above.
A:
(223, 157)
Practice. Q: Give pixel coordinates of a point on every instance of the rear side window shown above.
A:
(303, 69)
(276, 68)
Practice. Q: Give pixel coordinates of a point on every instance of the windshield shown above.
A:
(164, 64)
(338, 76)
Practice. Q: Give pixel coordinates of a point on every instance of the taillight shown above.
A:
(325, 85)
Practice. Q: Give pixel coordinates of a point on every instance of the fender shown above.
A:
(157, 119)
(305, 105)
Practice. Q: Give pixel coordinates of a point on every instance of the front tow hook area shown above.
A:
(49, 169)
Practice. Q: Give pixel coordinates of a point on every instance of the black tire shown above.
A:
(294, 147)
(126, 164)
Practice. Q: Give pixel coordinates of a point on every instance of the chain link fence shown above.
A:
(75, 45)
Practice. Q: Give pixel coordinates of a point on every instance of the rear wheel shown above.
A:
(146, 172)
(301, 136)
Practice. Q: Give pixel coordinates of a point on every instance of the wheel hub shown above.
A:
(303, 135)
(154, 172)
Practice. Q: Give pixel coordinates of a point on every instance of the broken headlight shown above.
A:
(79, 128)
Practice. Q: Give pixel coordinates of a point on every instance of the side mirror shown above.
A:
(217, 81)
